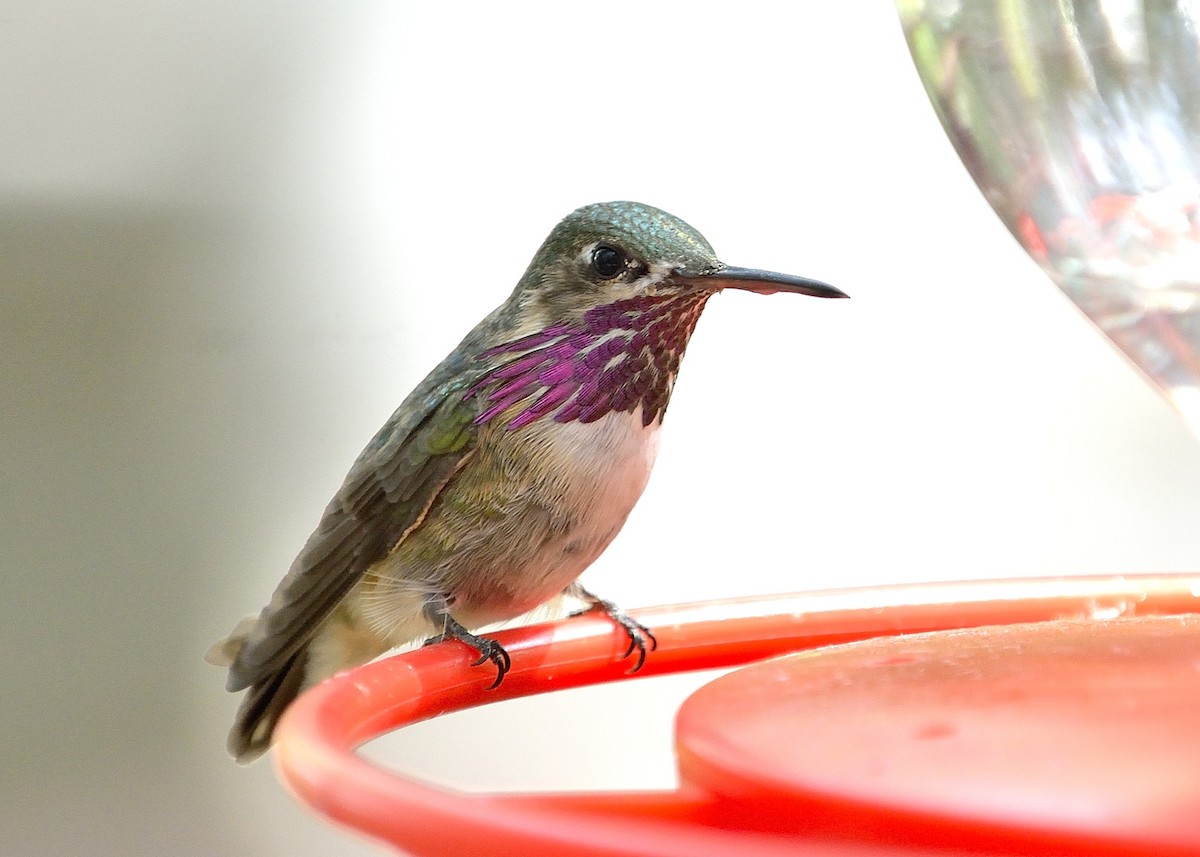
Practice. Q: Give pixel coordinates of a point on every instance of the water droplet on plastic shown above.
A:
(1105, 609)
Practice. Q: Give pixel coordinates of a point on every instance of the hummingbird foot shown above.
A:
(641, 638)
(488, 649)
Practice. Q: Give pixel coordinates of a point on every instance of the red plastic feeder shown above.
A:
(1025, 717)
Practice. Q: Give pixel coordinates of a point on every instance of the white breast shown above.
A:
(607, 463)
(570, 487)
(602, 468)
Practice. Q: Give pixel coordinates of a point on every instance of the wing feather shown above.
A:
(387, 493)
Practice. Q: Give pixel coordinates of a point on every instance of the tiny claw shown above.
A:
(641, 638)
(488, 649)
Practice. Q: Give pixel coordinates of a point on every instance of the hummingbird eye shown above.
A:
(607, 261)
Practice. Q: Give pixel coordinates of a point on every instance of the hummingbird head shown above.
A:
(617, 251)
(603, 314)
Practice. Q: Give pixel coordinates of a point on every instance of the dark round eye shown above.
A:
(607, 261)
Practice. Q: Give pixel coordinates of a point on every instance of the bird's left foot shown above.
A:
(488, 649)
(641, 638)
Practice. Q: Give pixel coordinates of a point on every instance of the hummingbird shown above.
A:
(505, 473)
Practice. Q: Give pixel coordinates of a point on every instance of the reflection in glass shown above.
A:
(1080, 122)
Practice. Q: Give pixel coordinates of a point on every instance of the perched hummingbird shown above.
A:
(506, 472)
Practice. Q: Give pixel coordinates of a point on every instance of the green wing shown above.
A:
(387, 493)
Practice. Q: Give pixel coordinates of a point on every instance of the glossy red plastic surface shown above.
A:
(1067, 730)
(1058, 737)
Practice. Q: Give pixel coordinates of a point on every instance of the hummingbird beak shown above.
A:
(764, 282)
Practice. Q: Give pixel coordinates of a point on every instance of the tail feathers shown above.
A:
(262, 706)
(265, 700)
(224, 652)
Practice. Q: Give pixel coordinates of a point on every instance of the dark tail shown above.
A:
(262, 706)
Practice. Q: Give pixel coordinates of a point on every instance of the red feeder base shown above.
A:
(1016, 717)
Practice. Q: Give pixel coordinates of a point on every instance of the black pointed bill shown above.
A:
(766, 282)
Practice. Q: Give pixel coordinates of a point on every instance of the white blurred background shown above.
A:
(233, 235)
